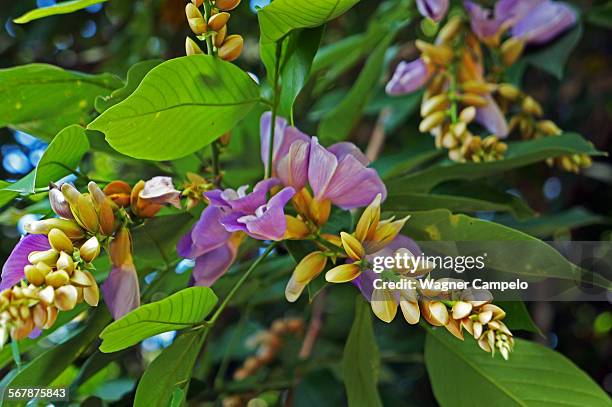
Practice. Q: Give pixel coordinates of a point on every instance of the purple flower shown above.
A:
(544, 22)
(487, 25)
(12, 271)
(121, 290)
(365, 281)
(492, 118)
(434, 9)
(340, 175)
(408, 77)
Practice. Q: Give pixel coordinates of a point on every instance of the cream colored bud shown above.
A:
(59, 241)
(227, 5)
(511, 50)
(87, 214)
(47, 295)
(383, 305)
(468, 114)
(197, 3)
(410, 310)
(549, 128)
(485, 316)
(454, 327)
(436, 314)
(432, 121)
(48, 257)
(97, 195)
(449, 30)
(51, 316)
(71, 194)
(90, 250)
(121, 248)
(434, 104)
(218, 21)
(66, 297)
(343, 273)
(461, 309)
(473, 99)
(531, 106)
(91, 293)
(231, 48)
(80, 279)
(69, 227)
(477, 329)
(508, 91)
(34, 275)
(220, 36)
(39, 316)
(191, 47)
(57, 278)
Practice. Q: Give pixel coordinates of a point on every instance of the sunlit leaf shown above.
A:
(65, 7)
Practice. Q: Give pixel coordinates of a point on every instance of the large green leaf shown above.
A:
(48, 365)
(338, 123)
(135, 75)
(184, 309)
(521, 255)
(461, 374)
(297, 61)
(65, 7)
(43, 99)
(181, 106)
(282, 16)
(170, 370)
(547, 225)
(519, 154)
(61, 158)
(361, 360)
(552, 58)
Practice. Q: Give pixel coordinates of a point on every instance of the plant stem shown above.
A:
(216, 166)
(207, 14)
(239, 284)
(279, 46)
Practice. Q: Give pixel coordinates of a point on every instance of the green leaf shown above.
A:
(462, 374)
(181, 106)
(169, 371)
(601, 15)
(6, 196)
(61, 158)
(297, 61)
(134, 76)
(337, 124)
(523, 256)
(547, 225)
(517, 316)
(182, 310)
(464, 197)
(43, 99)
(519, 154)
(282, 16)
(361, 360)
(553, 57)
(65, 7)
(48, 365)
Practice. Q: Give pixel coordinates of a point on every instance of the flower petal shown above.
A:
(279, 131)
(344, 148)
(212, 265)
(12, 271)
(321, 167)
(208, 233)
(408, 77)
(293, 167)
(271, 225)
(161, 191)
(545, 22)
(492, 118)
(121, 290)
(434, 9)
(250, 202)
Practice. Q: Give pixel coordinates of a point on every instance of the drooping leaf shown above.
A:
(42, 99)
(134, 76)
(181, 106)
(337, 124)
(65, 7)
(61, 158)
(297, 60)
(282, 16)
(553, 57)
(462, 374)
(545, 226)
(184, 309)
(361, 360)
(519, 154)
(169, 371)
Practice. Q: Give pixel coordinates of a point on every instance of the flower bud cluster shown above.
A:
(194, 188)
(212, 25)
(57, 280)
(268, 344)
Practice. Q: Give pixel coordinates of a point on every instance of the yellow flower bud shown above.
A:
(296, 228)
(48, 257)
(66, 297)
(477, 86)
(508, 91)
(69, 227)
(549, 128)
(121, 248)
(39, 316)
(90, 250)
(97, 195)
(485, 316)
(47, 295)
(449, 30)
(461, 309)
(309, 267)
(473, 99)
(368, 222)
(410, 310)
(80, 279)
(91, 293)
(231, 48)
(219, 38)
(352, 246)
(434, 104)
(320, 210)
(34, 275)
(106, 218)
(191, 47)
(293, 289)
(532, 107)
(468, 114)
(218, 21)
(438, 54)
(59, 241)
(227, 5)
(195, 19)
(383, 305)
(51, 316)
(511, 50)
(197, 3)
(385, 233)
(435, 313)
(71, 194)
(430, 122)
(454, 327)
(57, 278)
(343, 273)
(87, 215)
(22, 330)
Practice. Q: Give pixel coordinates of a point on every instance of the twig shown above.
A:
(377, 140)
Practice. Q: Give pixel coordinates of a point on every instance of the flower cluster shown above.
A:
(212, 28)
(461, 89)
(50, 269)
